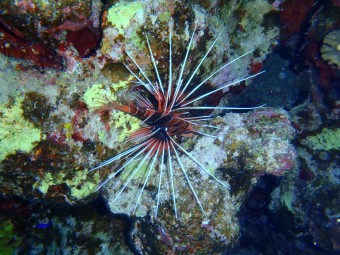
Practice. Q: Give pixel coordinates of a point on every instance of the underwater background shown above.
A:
(60, 61)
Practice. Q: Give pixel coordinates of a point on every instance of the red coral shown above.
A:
(256, 67)
(286, 161)
(78, 122)
(292, 15)
(57, 138)
(82, 31)
(78, 136)
(314, 58)
(13, 46)
(26, 6)
(84, 40)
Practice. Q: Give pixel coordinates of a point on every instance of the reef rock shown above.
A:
(48, 33)
(247, 146)
(49, 138)
(307, 200)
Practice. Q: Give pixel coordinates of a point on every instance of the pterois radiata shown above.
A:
(165, 116)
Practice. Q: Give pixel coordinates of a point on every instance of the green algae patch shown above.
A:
(81, 191)
(122, 28)
(122, 13)
(287, 199)
(94, 95)
(79, 184)
(98, 94)
(16, 133)
(328, 139)
(8, 241)
(122, 124)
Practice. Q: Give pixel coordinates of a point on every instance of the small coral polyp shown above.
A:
(164, 107)
(330, 49)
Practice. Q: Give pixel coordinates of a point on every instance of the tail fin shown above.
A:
(109, 106)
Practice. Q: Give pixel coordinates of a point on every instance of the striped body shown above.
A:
(166, 119)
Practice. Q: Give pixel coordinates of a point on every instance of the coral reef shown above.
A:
(50, 137)
(44, 230)
(307, 202)
(117, 40)
(302, 33)
(248, 146)
(49, 34)
(71, 139)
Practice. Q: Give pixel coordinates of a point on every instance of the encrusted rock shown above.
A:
(247, 146)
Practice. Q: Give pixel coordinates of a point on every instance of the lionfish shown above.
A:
(165, 116)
